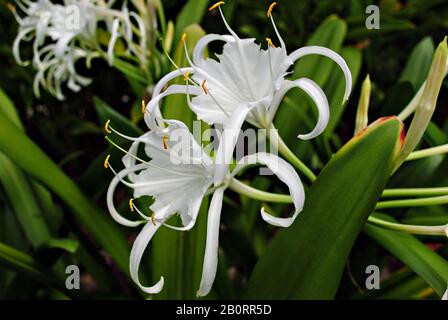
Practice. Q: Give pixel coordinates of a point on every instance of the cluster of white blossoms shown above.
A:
(246, 83)
(63, 34)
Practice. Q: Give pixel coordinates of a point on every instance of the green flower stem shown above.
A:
(256, 194)
(412, 202)
(428, 152)
(409, 228)
(289, 155)
(260, 195)
(415, 192)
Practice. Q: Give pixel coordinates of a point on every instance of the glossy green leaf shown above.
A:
(418, 63)
(422, 260)
(19, 261)
(306, 260)
(192, 13)
(32, 160)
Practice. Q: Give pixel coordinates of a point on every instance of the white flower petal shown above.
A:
(201, 45)
(320, 99)
(228, 141)
(211, 248)
(113, 39)
(304, 51)
(286, 173)
(152, 113)
(445, 295)
(138, 248)
(316, 94)
(110, 198)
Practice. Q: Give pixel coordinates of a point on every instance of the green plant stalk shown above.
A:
(260, 195)
(441, 230)
(428, 152)
(431, 201)
(289, 155)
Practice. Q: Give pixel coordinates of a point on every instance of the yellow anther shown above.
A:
(11, 7)
(106, 162)
(143, 106)
(106, 127)
(186, 76)
(131, 204)
(184, 37)
(203, 86)
(153, 219)
(271, 7)
(216, 5)
(165, 141)
(270, 42)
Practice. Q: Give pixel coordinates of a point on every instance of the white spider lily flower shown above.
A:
(63, 34)
(178, 176)
(247, 76)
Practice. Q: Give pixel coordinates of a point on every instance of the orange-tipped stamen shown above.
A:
(153, 219)
(11, 7)
(143, 106)
(184, 37)
(165, 141)
(271, 7)
(216, 5)
(131, 204)
(106, 162)
(203, 86)
(106, 127)
(269, 41)
(186, 76)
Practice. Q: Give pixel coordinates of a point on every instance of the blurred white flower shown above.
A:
(63, 34)
(178, 176)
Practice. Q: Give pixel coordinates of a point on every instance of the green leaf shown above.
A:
(418, 64)
(192, 12)
(422, 260)
(21, 262)
(306, 260)
(31, 159)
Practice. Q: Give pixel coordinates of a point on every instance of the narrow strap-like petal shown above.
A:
(152, 112)
(110, 198)
(138, 248)
(315, 93)
(286, 173)
(304, 51)
(211, 248)
(201, 45)
(228, 141)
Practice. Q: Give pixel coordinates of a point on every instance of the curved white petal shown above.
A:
(113, 39)
(168, 77)
(138, 248)
(152, 112)
(320, 99)
(304, 51)
(201, 45)
(286, 173)
(228, 141)
(110, 198)
(193, 211)
(16, 46)
(211, 248)
(316, 94)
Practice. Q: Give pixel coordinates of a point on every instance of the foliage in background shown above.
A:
(52, 185)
